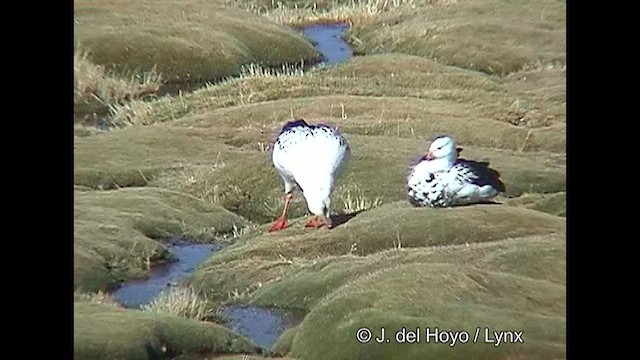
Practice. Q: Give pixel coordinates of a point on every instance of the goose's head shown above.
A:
(442, 148)
(317, 193)
(319, 204)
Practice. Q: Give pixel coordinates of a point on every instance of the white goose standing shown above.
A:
(442, 179)
(311, 158)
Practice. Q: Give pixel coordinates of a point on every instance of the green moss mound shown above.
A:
(555, 203)
(219, 160)
(185, 41)
(515, 284)
(260, 258)
(285, 341)
(401, 225)
(391, 91)
(491, 36)
(449, 297)
(117, 233)
(538, 257)
(489, 72)
(109, 332)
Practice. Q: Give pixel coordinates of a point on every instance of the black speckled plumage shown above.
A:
(297, 130)
(478, 173)
(466, 182)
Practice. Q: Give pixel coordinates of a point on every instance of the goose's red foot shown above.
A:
(280, 224)
(317, 222)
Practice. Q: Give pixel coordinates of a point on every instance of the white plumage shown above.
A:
(441, 179)
(311, 158)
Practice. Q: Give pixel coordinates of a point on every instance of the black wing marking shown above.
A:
(302, 124)
(294, 124)
(303, 128)
(479, 173)
(412, 165)
(413, 200)
(290, 127)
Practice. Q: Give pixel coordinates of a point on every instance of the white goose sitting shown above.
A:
(311, 158)
(442, 179)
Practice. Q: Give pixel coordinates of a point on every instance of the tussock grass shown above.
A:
(255, 70)
(415, 227)
(257, 263)
(186, 41)
(371, 37)
(395, 77)
(98, 297)
(489, 72)
(320, 12)
(491, 36)
(284, 342)
(181, 301)
(81, 130)
(539, 257)
(101, 331)
(443, 30)
(526, 272)
(135, 158)
(96, 87)
(117, 233)
(466, 296)
(353, 200)
(555, 203)
(251, 186)
(174, 107)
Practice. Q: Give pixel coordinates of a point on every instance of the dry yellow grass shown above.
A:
(119, 234)
(181, 301)
(186, 41)
(101, 331)
(95, 87)
(312, 12)
(489, 72)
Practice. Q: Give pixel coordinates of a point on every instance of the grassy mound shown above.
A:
(259, 258)
(402, 226)
(538, 257)
(489, 72)
(398, 276)
(285, 341)
(95, 88)
(555, 203)
(226, 357)
(132, 158)
(184, 41)
(491, 36)
(196, 160)
(445, 296)
(115, 232)
(103, 331)
(392, 87)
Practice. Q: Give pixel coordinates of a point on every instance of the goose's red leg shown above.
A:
(281, 223)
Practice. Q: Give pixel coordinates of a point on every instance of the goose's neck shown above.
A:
(442, 164)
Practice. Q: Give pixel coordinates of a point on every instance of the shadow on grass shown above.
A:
(487, 202)
(479, 202)
(340, 219)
